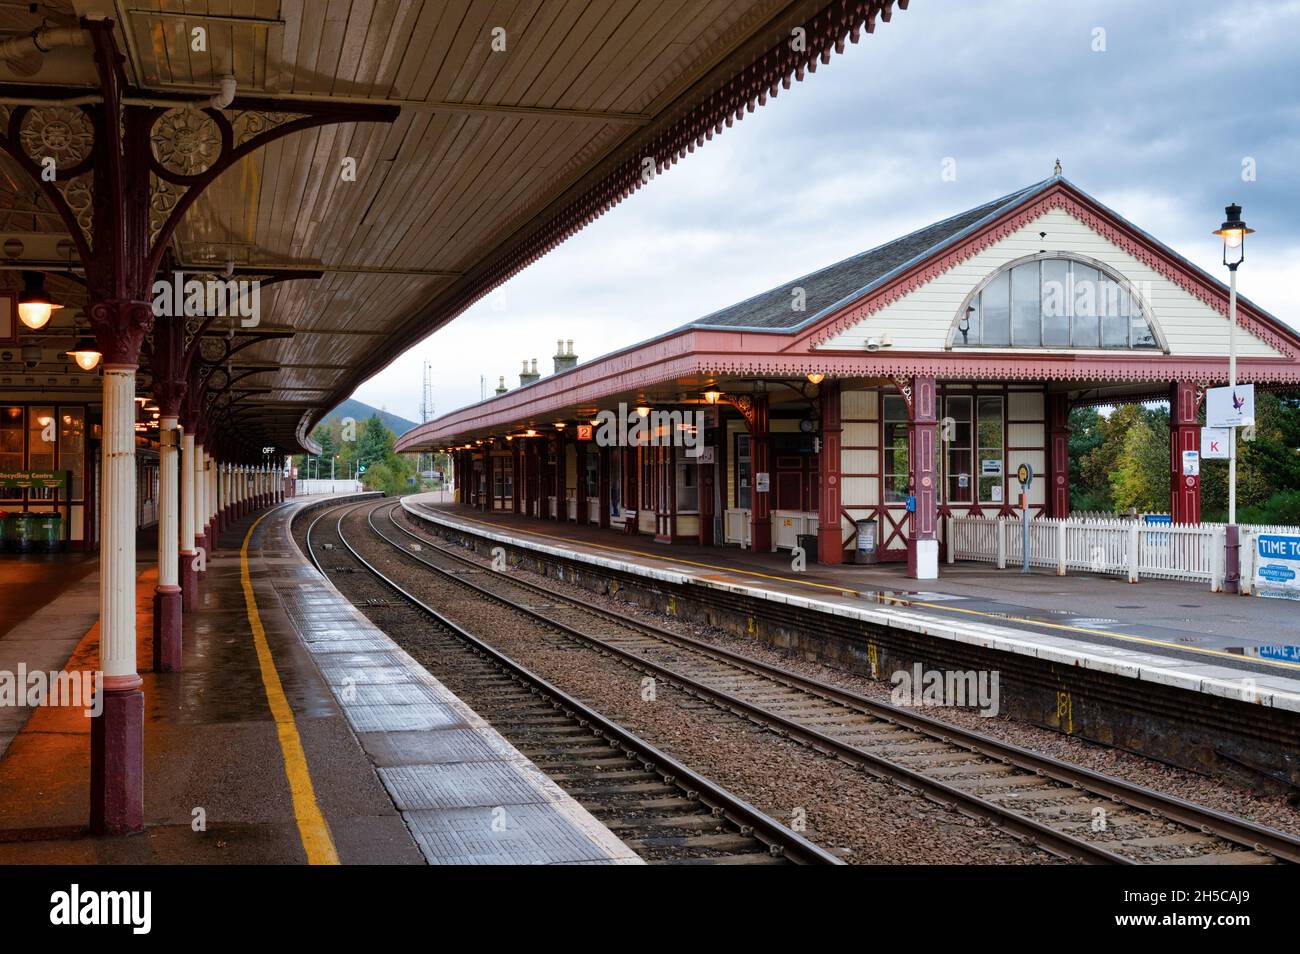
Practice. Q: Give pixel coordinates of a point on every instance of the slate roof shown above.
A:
(828, 287)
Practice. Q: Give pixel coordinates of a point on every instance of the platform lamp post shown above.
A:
(1233, 231)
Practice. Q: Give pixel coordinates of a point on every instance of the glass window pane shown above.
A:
(744, 471)
(11, 447)
(72, 447)
(970, 333)
(995, 311)
(1026, 305)
(896, 448)
(1114, 314)
(959, 476)
(991, 453)
(1056, 303)
(1142, 335)
(1085, 325)
(42, 436)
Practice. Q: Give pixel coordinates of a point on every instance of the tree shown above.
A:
(1140, 480)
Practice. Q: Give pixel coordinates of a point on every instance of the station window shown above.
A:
(688, 482)
(592, 471)
(72, 448)
(958, 445)
(744, 473)
(992, 450)
(42, 438)
(1053, 301)
(896, 449)
(11, 447)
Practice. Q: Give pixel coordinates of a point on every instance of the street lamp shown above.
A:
(1233, 231)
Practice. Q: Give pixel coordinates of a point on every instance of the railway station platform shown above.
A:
(1085, 654)
(295, 732)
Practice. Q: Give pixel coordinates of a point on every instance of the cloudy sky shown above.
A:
(1158, 125)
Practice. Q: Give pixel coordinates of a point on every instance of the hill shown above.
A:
(360, 411)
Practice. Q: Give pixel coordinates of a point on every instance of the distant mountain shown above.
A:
(360, 411)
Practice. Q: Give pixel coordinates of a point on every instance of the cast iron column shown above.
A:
(830, 545)
(923, 434)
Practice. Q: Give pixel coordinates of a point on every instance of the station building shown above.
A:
(901, 386)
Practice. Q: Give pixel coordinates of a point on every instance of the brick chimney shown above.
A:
(564, 356)
(527, 377)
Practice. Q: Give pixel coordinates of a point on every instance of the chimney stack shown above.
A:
(501, 386)
(564, 356)
(527, 377)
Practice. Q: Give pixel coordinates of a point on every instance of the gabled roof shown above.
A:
(844, 281)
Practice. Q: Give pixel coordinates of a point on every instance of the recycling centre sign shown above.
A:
(1277, 566)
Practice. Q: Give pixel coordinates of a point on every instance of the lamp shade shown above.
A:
(35, 306)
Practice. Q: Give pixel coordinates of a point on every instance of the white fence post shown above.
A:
(1133, 543)
(952, 539)
(1001, 526)
(1060, 548)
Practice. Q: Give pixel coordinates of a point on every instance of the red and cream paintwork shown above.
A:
(916, 310)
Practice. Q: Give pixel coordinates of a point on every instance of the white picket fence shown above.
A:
(1127, 548)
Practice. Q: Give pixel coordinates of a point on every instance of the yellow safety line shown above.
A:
(312, 827)
(900, 601)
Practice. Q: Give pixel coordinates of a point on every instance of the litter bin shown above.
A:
(808, 543)
(20, 532)
(46, 532)
(6, 533)
(866, 551)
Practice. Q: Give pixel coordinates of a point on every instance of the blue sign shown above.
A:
(1277, 566)
(1280, 653)
(1160, 518)
(911, 504)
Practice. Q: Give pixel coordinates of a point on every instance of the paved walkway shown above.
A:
(217, 764)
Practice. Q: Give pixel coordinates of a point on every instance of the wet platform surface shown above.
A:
(401, 770)
(1168, 631)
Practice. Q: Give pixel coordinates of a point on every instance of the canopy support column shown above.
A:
(923, 437)
(1184, 435)
(830, 541)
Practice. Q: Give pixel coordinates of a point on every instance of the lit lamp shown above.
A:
(1233, 231)
(816, 377)
(34, 305)
(560, 425)
(711, 397)
(643, 411)
(86, 353)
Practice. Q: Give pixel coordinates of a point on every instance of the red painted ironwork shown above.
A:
(1184, 435)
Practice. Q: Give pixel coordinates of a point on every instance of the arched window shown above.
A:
(1053, 300)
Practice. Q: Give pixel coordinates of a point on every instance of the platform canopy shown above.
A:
(516, 123)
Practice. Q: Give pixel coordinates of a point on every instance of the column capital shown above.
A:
(120, 325)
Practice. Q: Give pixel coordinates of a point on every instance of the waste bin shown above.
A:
(6, 533)
(866, 550)
(46, 532)
(808, 543)
(20, 532)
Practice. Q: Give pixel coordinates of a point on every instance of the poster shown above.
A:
(1277, 566)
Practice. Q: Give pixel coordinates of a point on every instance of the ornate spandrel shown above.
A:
(250, 123)
(186, 141)
(63, 136)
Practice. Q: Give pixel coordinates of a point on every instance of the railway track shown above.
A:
(1069, 810)
(663, 810)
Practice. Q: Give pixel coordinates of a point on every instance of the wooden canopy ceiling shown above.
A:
(520, 122)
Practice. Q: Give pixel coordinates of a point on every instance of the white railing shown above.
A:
(311, 487)
(789, 525)
(736, 527)
(1127, 548)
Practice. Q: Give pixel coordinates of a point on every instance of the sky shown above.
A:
(1164, 110)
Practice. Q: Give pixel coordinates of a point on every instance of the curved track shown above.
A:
(663, 810)
(1069, 810)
